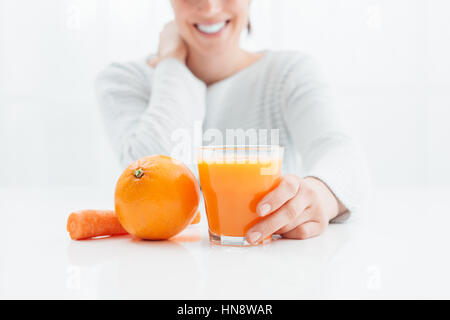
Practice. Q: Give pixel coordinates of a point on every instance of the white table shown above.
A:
(402, 251)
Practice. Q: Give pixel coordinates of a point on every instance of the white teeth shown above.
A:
(211, 28)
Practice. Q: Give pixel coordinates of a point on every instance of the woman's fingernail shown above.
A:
(254, 237)
(264, 209)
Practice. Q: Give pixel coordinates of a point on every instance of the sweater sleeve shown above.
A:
(327, 150)
(147, 111)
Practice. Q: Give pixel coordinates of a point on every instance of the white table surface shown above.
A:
(401, 250)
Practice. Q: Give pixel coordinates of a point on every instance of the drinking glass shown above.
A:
(233, 180)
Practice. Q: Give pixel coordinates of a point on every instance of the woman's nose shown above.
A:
(210, 6)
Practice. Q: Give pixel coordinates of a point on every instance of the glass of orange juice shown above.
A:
(233, 180)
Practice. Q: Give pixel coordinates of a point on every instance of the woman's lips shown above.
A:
(211, 29)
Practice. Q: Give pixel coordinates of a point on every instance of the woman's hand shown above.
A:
(171, 45)
(296, 209)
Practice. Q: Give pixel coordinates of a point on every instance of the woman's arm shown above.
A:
(143, 106)
(328, 151)
(336, 176)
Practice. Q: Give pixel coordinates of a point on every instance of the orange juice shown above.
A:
(232, 188)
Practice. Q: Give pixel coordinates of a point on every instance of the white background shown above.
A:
(388, 62)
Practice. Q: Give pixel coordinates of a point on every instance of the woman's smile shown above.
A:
(212, 29)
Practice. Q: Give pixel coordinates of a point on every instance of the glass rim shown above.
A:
(241, 147)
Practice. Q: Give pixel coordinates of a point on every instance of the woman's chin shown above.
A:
(210, 48)
(214, 51)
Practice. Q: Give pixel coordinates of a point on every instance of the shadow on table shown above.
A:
(101, 249)
(126, 267)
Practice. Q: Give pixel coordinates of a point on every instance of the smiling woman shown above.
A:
(213, 28)
(211, 25)
(201, 75)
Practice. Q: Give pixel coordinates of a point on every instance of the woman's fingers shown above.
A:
(305, 231)
(286, 190)
(153, 62)
(301, 218)
(289, 212)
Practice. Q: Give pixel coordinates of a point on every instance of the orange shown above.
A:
(197, 218)
(156, 197)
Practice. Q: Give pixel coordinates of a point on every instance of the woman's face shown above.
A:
(211, 26)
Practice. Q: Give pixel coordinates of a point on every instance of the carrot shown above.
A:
(93, 223)
(86, 224)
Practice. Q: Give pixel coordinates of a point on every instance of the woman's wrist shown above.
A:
(179, 55)
(330, 202)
